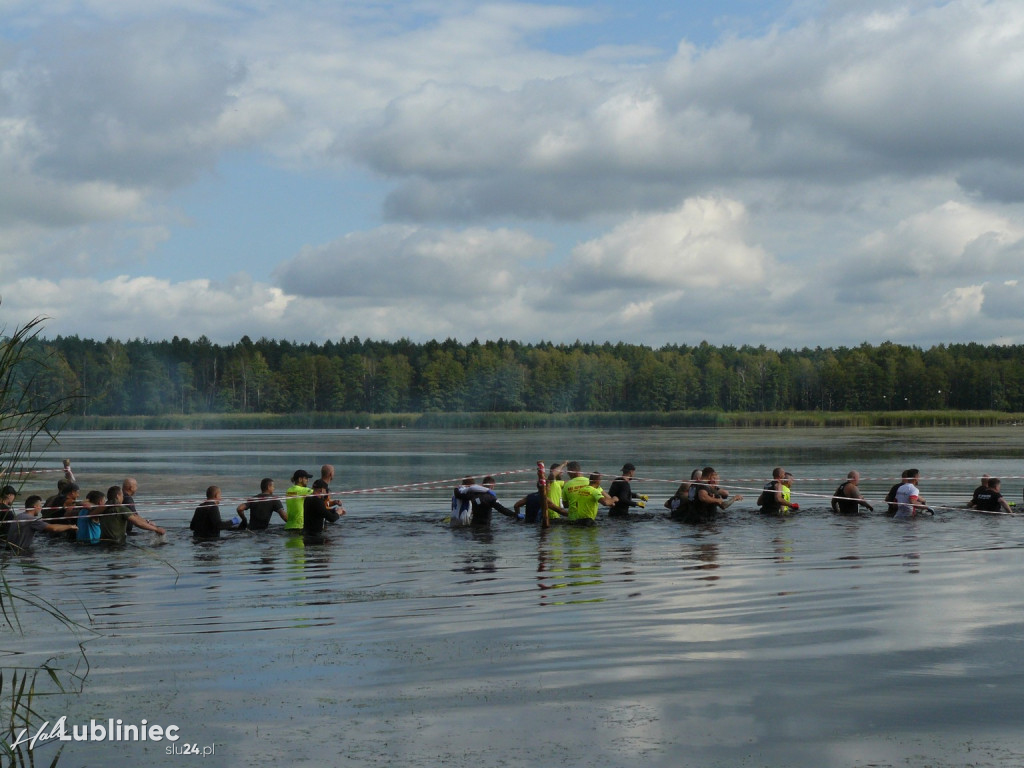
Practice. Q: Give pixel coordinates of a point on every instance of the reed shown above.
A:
(532, 420)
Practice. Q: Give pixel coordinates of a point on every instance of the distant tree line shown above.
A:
(141, 377)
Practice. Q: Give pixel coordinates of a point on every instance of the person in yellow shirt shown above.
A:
(294, 499)
(583, 495)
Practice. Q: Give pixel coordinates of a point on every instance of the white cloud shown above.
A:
(822, 165)
(145, 307)
(699, 245)
(950, 240)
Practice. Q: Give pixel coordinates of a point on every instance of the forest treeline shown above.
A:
(180, 376)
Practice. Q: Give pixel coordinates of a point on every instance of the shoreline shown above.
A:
(533, 420)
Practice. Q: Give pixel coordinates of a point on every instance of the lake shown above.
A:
(812, 641)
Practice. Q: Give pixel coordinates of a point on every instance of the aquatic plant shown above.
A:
(30, 411)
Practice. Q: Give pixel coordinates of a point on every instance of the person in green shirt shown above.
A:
(554, 490)
(294, 499)
(114, 518)
(584, 495)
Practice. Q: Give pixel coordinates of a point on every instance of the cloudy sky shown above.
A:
(736, 171)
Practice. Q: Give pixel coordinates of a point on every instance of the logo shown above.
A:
(94, 730)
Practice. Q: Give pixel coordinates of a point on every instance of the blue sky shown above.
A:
(787, 174)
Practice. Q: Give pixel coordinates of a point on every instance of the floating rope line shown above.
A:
(429, 484)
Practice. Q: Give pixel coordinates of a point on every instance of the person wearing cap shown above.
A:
(7, 496)
(624, 496)
(293, 499)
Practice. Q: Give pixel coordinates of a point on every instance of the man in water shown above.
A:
(129, 487)
(890, 497)
(7, 496)
(293, 500)
(317, 512)
(847, 499)
(88, 525)
(584, 495)
(484, 504)
(787, 493)
(206, 522)
(555, 485)
(678, 505)
(462, 502)
(982, 488)
(262, 507)
(115, 516)
(908, 497)
(990, 499)
(623, 493)
(531, 509)
(63, 509)
(327, 475)
(707, 499)
(22, 530)
(772, 500)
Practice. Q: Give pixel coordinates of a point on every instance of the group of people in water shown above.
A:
(566, 495)
(575, 500)
(109, 517)
(94, 518)
(306, 509)
(699, 500)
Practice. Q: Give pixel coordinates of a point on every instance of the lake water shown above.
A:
(810, 641)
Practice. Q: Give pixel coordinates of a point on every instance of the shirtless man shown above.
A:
(707, 499)
(772, 500)
(847, 499)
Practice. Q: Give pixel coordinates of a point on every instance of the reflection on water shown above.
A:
(808, 641)
(569, 565)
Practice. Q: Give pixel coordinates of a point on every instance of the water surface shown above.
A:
(810, 641)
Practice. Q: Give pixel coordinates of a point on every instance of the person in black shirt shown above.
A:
(983, 488)
(206, 522)
(625, 498)
(7, 496)
(990, 499)
(316, 514)
(532, 504)
(485, 503)
(262, 507)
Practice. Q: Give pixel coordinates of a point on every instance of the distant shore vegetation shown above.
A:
(506, 384)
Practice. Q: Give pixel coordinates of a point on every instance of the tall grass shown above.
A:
(532, 420)
(28, 415)
(22, 686)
